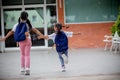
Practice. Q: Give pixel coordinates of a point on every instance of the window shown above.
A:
(77, 11)
(10, 19)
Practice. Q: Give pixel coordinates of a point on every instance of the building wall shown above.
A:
(92, 34)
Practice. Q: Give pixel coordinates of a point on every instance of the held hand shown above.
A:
(40, 37)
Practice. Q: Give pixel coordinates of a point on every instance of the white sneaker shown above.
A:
(65, 58)
(27, 71)
(22, 70)
(63, 69)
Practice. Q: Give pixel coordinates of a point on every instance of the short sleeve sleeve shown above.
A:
(14, 27)
(52, 36)
(69, 34)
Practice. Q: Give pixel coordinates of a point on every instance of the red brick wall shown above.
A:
(92, 34)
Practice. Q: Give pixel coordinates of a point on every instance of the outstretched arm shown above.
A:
(77, 33)
(8, 35)
(70, 34)
(37, 32)
(51, 36)
(43, 37)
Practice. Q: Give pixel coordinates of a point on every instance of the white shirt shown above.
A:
(15, 26)
(52, 36)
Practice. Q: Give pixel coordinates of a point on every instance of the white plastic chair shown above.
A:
(107, 40)
(115, 42)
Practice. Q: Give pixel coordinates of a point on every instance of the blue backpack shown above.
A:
(61, 42)
(19, 34)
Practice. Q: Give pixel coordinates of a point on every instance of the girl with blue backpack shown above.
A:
(60, 40)
(21, 32)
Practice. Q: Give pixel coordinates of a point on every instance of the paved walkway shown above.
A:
(84, 64)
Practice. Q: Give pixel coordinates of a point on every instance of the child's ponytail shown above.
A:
(29, 24)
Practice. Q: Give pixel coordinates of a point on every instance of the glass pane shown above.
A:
(34, 2)
(51, 19)
(10, 19)
(50, 1)
(37, 21)
(11, 2)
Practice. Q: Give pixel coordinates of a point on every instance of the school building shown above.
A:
(93, 18)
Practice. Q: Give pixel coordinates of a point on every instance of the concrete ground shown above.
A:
(84, 64)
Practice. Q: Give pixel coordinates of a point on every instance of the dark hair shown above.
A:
(59, 27)
(24, 16)
(29, 24)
